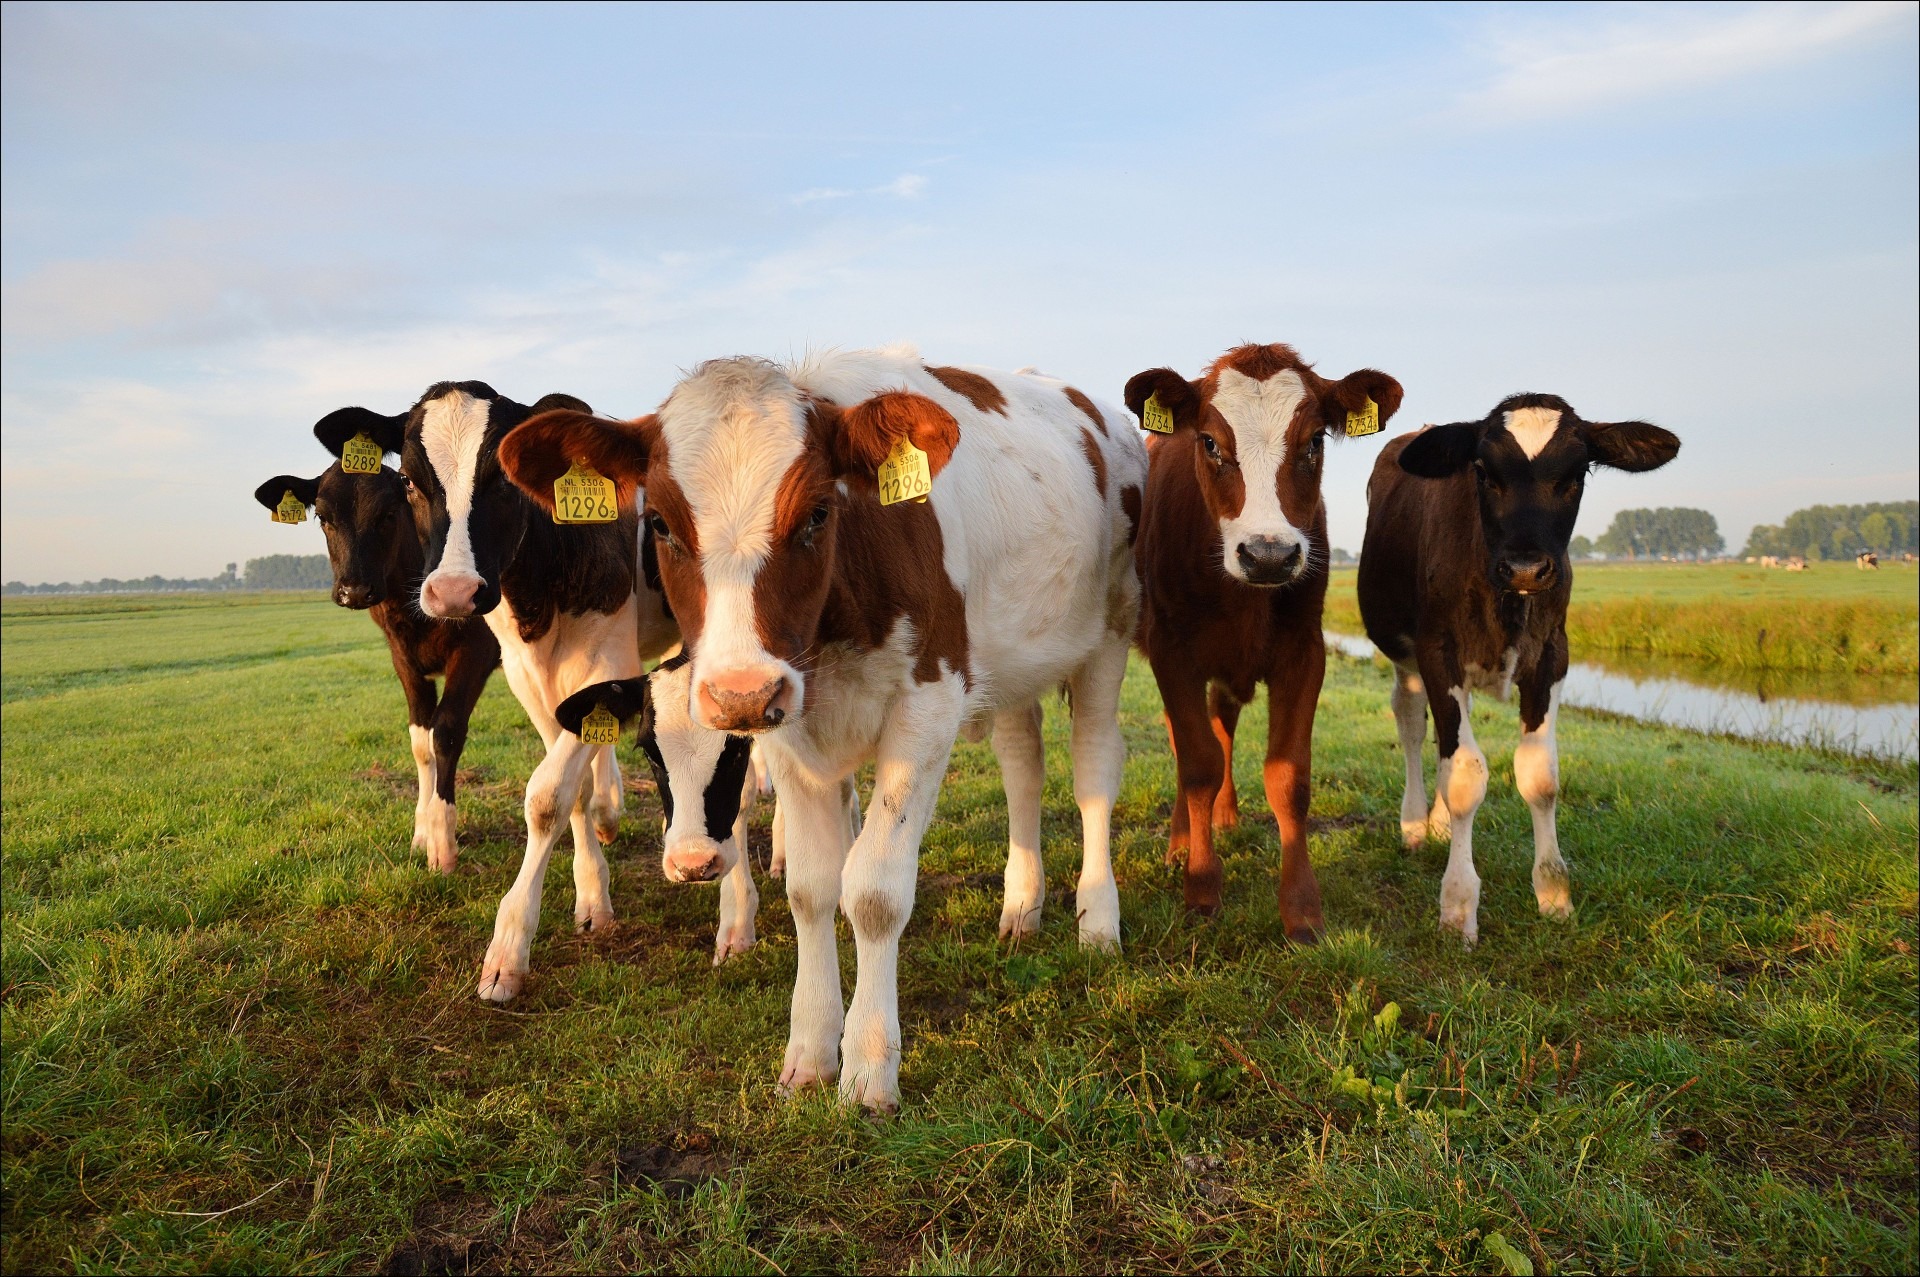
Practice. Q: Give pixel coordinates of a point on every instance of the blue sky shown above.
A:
(222, 222)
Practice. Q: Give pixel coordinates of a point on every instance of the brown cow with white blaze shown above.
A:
(1464, 583)
(839, 630)
(1233, 557)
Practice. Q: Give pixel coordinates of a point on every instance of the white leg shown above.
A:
(1018, 745)
(442, 849)
(850, 798)
(421, 740)
(592, 886)
(777, 851)
(609, 794)
(1410, 716)
(1536, 774)
(739, 898)
(1465, 788)
(814, 818)
(551, 792)
(1099, 755)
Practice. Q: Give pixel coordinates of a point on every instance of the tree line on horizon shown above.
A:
(274, 572)
(1840, 531)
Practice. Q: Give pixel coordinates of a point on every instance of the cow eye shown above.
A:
(1213, 449)
(658, 526)
(811, 528)
(1315, 442)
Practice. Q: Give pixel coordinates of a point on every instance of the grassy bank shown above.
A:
(1834, 619)
(239, 1031)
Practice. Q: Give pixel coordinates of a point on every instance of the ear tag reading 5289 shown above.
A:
(584, 495)
(1155, 417)
(290, 510)
(600, 727)
(904, 475)
(361, 455)
(1364, 423)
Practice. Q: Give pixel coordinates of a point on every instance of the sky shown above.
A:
(222, 222)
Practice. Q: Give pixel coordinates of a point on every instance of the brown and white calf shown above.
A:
(1233, 560)
(1464, 582)
(377, 560)
(839, 630)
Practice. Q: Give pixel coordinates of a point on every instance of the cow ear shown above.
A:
(1350, 394)
(1630, 445)
(542, 448)
(337, 427)
(861, 437)
(622, 697)
(554, 402)
(1175, 393)
(1439, 451)
(270, 493)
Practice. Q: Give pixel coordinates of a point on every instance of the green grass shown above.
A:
(239, 1031)
(1834, 619)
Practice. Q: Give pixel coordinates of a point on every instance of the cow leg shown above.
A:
(1536, 774)
(1289, 783)
(1178, 839)
(777, 840)
(739, 898)
(876, 892)
(421, 704)
(592, 882)
(609, 795)
(1463, 787)
(1225, 713)
(551, 792)
(1199, 766)
(1099, 756)
(466, 679)
(818, 848)
(1018, 744)
(1410, 716)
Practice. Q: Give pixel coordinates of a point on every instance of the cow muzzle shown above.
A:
(449, 595)
(744, 700)
(694, 859)
(357, 597)
(1269, 560)
(1527, 573)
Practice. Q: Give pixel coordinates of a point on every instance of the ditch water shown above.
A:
(1866, 715)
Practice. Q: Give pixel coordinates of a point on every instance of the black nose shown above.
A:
(1527, 573)
(355, 596)
(1268, 560)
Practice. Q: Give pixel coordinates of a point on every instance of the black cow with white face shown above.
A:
(1464, 583)
(375, 553)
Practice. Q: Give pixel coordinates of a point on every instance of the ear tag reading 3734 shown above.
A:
(600, 727)
(1360, 424)
(290, 510)
(904, 475)
(1155, 416)
(584, 495)
(361, 455)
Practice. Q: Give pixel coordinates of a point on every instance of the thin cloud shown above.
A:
(1656, 51)
(908, 186)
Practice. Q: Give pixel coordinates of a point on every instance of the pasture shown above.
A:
(240, 1031)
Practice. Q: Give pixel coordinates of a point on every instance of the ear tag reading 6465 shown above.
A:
(361, 455)
(1364, 423)
(584, 495)
(600, 727)
(290, 510)
(1155, 417)
(904, 475)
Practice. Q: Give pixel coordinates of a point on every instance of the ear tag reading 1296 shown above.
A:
(584, 495)
(1155, 417)
(290, 510)
(904, 475)
(361, 455)
(600, 727)
(1360, 424)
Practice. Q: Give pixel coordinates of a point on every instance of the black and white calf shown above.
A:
(376, 557)
(1464, 582)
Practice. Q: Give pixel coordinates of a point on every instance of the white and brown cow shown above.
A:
(839, 630)
(1464, 582)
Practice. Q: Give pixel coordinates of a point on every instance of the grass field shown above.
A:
(1833, 619)
(239, 1030)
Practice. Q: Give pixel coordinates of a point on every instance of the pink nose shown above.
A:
(694, 860)
(449, 594)
(745, 700)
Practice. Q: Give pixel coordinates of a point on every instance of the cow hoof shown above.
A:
(726, 944)
(801, 1073)
(1016, 921)
(777, 867)
(872, 1087)
(1553, 891)
(1467, 925)
(500, 986)
(1227, 819)
(595, 923)
(1413, 834)
(606, 826)
(1305, 933)
(1099, 940)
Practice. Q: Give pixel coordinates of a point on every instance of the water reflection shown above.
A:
(1866, 715)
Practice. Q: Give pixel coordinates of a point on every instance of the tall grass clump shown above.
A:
(1860, 636)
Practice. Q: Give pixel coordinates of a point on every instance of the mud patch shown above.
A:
(677, 1165)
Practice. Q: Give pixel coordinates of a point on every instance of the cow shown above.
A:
(1233, 562)
(1867, 561)
(1464, 582)
(837, 629)
(376, 557)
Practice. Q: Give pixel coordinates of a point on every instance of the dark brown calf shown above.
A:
(1232, 555)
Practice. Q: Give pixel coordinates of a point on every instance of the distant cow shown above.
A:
(1464, 582)
(1866, 561)
(1233, 559)
(1795, 563)
(377, 558)
(840, 630)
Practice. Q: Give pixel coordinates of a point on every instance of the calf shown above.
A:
(570, 607)
(1233, 560)
(1464, 582)
(376, 557)
(838, 630)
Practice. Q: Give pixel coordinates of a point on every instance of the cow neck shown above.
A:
(569, 571)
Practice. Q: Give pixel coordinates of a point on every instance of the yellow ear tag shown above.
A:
(904, 475)
(1155, 417)
(1364, 423)
(584, 495)
(290, 510)
(360, 456)
(600, 727)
